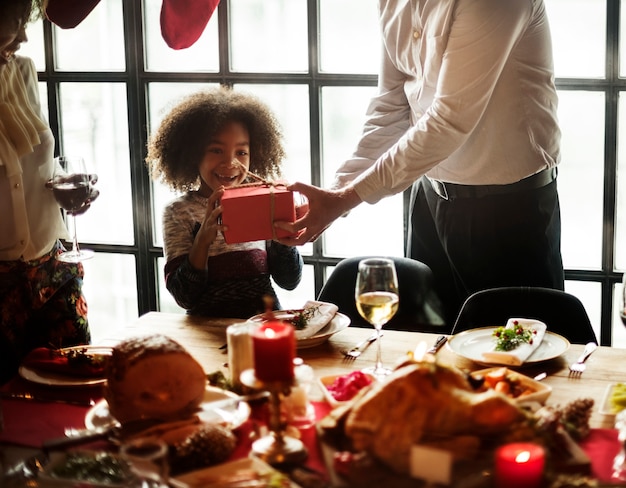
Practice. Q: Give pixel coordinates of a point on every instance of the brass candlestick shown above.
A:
(276, 448)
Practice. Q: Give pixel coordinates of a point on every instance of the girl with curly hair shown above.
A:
(207, 142)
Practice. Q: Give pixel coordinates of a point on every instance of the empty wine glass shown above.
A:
(71, 187)
(376, 296)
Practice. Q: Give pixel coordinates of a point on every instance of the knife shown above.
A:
(44, 398)
(441, 340)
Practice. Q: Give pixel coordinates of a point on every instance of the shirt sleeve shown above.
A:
(285, 264)
(462, 65)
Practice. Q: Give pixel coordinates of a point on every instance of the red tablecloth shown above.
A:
(28, 423)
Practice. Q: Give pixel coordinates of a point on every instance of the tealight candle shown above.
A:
(274, 347)
(519, 465)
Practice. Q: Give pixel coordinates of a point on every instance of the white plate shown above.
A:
(233, 415)
(56, 379)
(210, 476)
(472, 343)
(338, 323)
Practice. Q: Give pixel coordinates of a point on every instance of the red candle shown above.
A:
(519, 465)
(274, 348)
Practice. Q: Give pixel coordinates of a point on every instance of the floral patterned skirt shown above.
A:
(41, 304)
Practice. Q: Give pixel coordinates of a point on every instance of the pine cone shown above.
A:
(208, 446)
(575, 417)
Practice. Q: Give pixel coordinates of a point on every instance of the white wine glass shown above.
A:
(71, 186)
(376, 296)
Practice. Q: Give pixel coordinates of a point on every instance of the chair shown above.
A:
(419, 308)
(563, 313)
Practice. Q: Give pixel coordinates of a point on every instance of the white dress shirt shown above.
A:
(466, 95)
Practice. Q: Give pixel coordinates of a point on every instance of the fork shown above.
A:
(576, 369)
(357, 350)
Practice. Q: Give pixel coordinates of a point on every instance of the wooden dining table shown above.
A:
(205, 339)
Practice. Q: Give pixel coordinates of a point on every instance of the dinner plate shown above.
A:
(233, 415)
(338, 323)
(215, 475)
(56, 379)
(471, 344)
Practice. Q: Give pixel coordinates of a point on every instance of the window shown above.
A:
(107, 82)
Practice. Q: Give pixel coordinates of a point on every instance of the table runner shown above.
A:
(29, 423)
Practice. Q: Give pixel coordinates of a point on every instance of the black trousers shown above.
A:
(471, 244)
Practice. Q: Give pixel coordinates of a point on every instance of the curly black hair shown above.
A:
(176, 149)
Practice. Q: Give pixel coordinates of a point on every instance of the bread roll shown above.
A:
(152, 376)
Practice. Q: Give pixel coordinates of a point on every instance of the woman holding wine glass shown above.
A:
(376, 295)
(41, 300)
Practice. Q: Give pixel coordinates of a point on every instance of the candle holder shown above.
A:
(276, 448)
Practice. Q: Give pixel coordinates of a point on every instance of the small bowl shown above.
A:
(539, 391)
(606, 408)
(326, 381)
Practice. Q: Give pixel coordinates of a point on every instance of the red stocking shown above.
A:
(67, 14)
(183, 21)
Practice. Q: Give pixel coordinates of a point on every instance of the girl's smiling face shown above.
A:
(226, 158)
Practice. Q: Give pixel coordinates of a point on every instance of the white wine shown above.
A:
(377, 307)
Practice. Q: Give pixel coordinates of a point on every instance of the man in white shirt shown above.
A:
(466, 113)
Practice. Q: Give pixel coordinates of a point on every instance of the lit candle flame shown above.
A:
(522, 457)
(270, 333)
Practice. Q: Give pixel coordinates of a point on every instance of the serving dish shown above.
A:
(49, 378)
(471, 344)
(232, 415)
(338, 323)
(326, 381)
(540, 391)
(215, 476)
(606, 406)
(99, 461)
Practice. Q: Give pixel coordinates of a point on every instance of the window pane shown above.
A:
(91, 126)
(166, 300)
(298, 297)
(33, 49)
(349, 38)
(368, 229)
(590, 294)
(290, 104)
(110, 287)
(578, 36)
(620, 217)
(96, 44)
(203, 55)
(268, 36)
(582, 167)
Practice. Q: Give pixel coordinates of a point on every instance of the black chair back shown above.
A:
(419, 308)
(562, 312)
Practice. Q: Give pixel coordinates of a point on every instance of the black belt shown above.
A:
(453, 190)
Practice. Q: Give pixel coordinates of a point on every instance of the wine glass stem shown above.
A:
(379, 359)
(75, 248)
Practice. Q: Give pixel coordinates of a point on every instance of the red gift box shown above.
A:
(249, 212)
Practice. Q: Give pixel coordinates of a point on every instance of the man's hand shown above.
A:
(325, 206)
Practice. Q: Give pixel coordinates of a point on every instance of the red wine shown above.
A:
(71, 195)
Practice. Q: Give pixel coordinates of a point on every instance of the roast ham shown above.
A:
(153, 376)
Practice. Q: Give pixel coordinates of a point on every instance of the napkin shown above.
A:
(319, 319)
(517, 356)
(53, 361)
